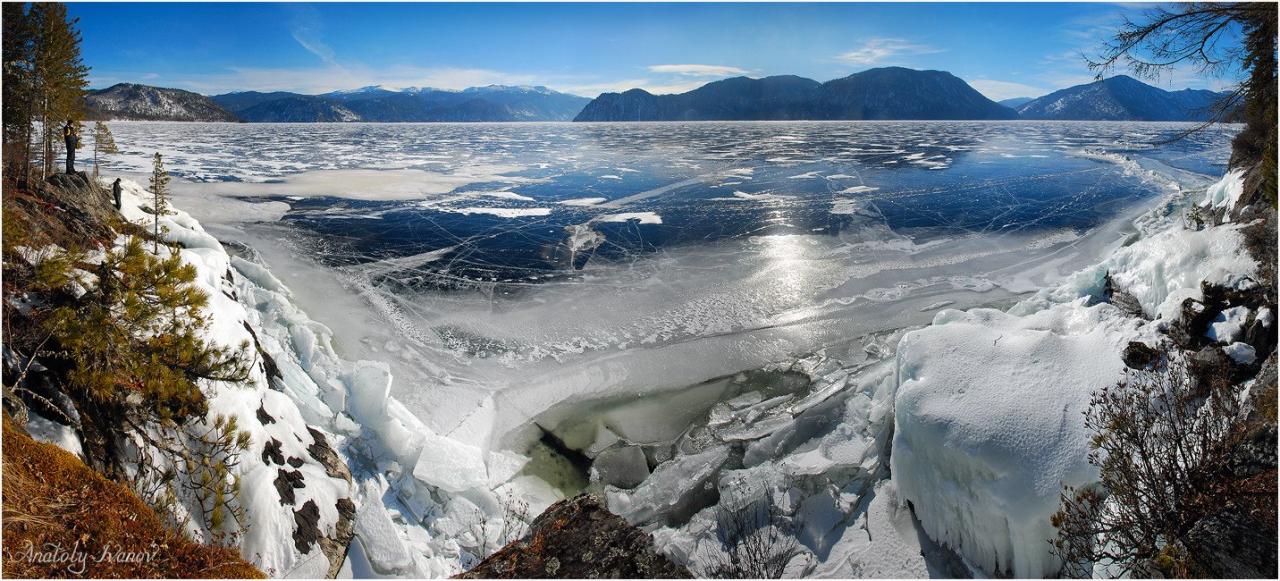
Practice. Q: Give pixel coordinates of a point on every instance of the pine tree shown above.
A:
(160, 189)
(59, 76)
(134, 350)
(17, 88)
(103, 141)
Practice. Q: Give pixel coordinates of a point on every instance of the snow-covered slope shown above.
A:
(428, 505)
(141, 102)
(291, 438)
(988, 408)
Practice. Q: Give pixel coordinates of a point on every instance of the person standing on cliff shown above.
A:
(71, 134)
(115, 192)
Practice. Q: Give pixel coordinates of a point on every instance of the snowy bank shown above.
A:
(295, 491)
(422, 504)
(988, 409)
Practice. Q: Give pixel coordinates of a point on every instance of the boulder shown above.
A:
(579, 539)
(1207, 365)
(1188, 331)
(1139, 355)
(1122, 299)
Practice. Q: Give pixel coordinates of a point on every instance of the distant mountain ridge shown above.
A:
(145, 103)
(1015, 102)
(882, 93)
(1121, 98)
(379, 104)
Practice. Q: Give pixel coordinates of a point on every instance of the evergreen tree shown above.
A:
(133, 348)
(59, 76)
(160, 189)
(17, 87)
(103, 142)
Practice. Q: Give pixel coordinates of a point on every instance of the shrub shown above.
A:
(755, 541)
(1163, 441)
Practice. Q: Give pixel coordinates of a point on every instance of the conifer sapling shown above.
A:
(160, 189)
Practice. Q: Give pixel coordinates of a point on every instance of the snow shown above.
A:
(640, 217)
(988, 408)
(583, 201)
(268, 540)
(882, 544)
(1226, 192)
(1162, 269)
(48, 431)
(988, 424)
(1242, 353)
(502, 212)
(667, 383)
(1228, 325)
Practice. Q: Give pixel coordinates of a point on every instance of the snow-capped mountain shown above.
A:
(420, 104)
(1121, 98)
(142, 102)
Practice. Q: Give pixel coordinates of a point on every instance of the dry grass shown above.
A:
(87, 526)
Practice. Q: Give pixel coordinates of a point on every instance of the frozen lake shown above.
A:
(508, 270)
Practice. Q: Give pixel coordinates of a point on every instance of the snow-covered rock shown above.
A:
(988, 408)
(989, 426)
(1228, 325)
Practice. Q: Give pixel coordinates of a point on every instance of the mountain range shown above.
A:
(1121, 98)
(882, 93)
(491, 103)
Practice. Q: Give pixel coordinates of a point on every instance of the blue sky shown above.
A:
(1003, 50)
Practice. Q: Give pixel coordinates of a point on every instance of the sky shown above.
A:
(1003, 50)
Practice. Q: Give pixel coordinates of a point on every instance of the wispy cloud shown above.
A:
(315, 47)
(1000, 90)
(306, 29)
(698, 70)
(657, 87)
(667, 79)
(880, 50)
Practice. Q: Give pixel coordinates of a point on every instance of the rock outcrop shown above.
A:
(579, 538)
